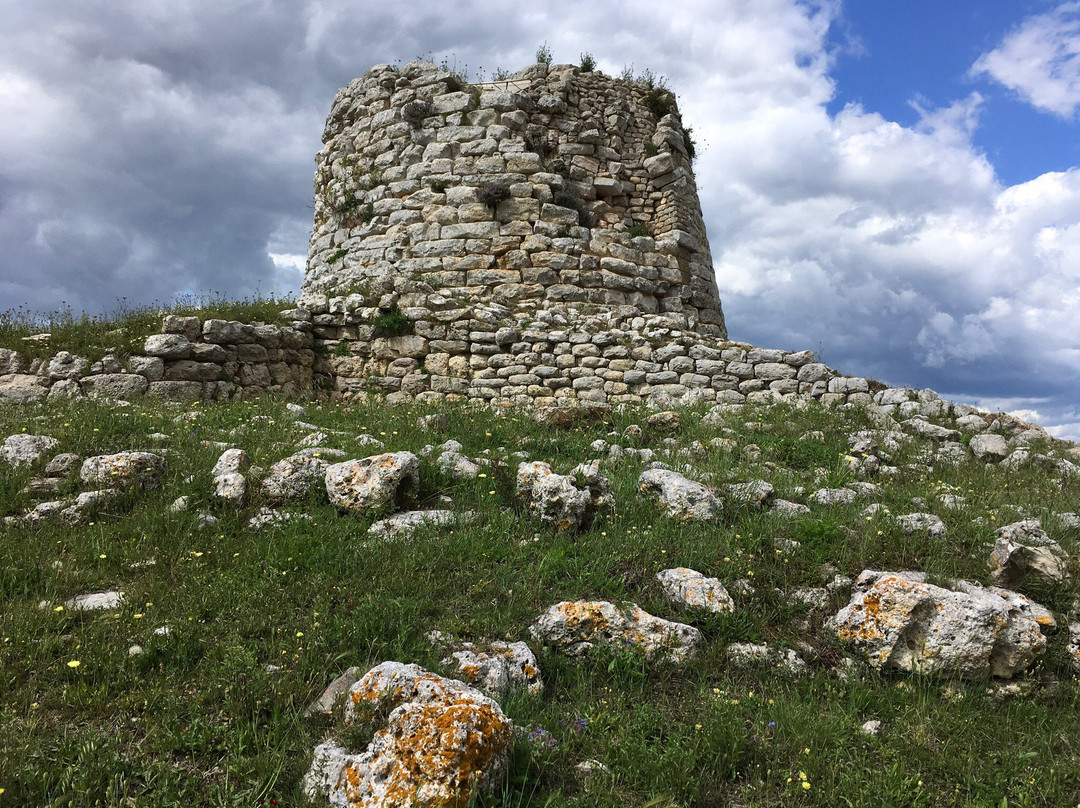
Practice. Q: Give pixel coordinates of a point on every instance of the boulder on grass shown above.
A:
(903, 623)
(438, 742)
(684, 499)
(124, 469)
(688, 589)
(373, 483)
(575, 627)
(1024, 549)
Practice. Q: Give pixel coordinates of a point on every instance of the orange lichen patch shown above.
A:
(883, 610)
(434, 754)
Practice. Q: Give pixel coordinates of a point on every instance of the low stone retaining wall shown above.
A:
(191, 360)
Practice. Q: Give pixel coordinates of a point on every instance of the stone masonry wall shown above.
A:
(600, 201)
(191, 360)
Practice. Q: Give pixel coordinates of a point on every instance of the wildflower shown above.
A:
(74, 663)
(58, 609)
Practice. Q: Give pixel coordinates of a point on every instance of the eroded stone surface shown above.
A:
(373, 483)
(295, 478)
(683, 499)
(688, 589)
(124, 469)
(441, 742)
(1024, 549)
(567, 501)
(903, 623)
(575, 627)
(25, 450)
(404, 524)
(494, 667)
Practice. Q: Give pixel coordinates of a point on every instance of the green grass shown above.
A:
(124, 330)
(197, 719)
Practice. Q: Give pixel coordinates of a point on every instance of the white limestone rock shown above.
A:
(25, 450)
(749, 655)
(575, 627)
(230, 485)
(684, 499)
(95, 601)
(755, 494)
(688, 589)
(333, 691)
(495, 667)
(567, 501)
(901, 622)
(927, 523)
(833, 496)
(1024, 549)
(295, 478)
(124, 469)
(989, 446)
(373, 483)
(442, 743)
(402, 525)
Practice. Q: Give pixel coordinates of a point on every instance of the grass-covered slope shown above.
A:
(211, 713)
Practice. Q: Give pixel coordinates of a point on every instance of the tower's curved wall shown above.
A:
(600, 201)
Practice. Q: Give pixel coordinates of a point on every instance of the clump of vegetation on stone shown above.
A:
(415, 112)
(492, 193)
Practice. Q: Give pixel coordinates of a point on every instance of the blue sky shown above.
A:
(895, 185)
(891, 55)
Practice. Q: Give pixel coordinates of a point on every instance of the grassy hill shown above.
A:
(211, 711)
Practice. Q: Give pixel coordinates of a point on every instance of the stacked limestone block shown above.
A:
(408, 187)
(191, 360)
(563, 356)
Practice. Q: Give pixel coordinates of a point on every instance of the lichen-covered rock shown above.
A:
(372, 483)
(688, 589)
(403, 525)
(494, 667)
(295, 478)
(684, 499)
(230, 484)
(1073, 648)
(442, 743)
(25, 450)
(575, 627)
(124, 469)
(1024, 549)
(901, 622)
(567, 501)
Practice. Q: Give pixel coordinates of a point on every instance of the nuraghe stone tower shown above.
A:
(537, 240)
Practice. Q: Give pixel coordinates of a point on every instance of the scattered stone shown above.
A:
(684, 499)
(791, 509)
(135, 650)
(576, 627)
(923, 428)
(755, 494)
(1073, 648)
(749, 655)
(667, 420)
(458, 465)
(1024, 549)
(296, 478)
(442, 743)
(269, 517)
(990, 447)
(335, 690)
(25, 450)
(495, 667)
(928, 523)
(124, 469)
(688, 589)
(95, 601)
(63, 465)
(373, 483)
(833, 496)
(403, 525)
(566, 501)
(230, 484)
(872, 727)
(903, 623)
(431, 423)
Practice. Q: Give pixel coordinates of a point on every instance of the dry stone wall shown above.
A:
(556, 186)
(190, 360)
